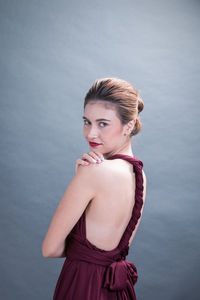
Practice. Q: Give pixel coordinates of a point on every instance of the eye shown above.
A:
(85, 122)
(103, 123)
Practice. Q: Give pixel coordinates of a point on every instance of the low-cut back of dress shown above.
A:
(91, 273)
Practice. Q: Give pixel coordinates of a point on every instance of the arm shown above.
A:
(77, 196)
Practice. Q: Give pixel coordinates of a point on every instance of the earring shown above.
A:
(127, 133)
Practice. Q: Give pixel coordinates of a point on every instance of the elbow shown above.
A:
(45, 251)
(44, 254)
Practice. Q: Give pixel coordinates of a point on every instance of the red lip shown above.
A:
(94, 144)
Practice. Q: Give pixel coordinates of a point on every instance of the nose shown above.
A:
(92, 132)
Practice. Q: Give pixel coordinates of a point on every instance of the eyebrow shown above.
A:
(97, 119)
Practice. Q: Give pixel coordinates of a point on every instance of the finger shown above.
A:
(89, 158)
(100, 155)
(81, 162)
(96, 155)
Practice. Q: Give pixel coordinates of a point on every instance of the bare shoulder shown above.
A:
(91, 171)
(101, 175)
(97, 173)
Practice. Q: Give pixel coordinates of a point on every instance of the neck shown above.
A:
(127, 150)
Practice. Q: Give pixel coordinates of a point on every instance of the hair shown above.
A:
(120, 93)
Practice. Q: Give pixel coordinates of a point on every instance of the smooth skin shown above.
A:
(108, 210)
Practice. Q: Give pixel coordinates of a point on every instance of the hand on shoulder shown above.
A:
(89, 158)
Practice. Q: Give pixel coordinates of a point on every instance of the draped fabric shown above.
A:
(91, 273)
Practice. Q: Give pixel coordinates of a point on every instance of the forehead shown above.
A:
(100, 108)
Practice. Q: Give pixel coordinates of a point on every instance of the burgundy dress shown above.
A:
(90, 273)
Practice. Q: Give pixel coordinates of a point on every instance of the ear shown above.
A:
(131, 125)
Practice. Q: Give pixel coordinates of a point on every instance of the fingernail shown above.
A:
(86, 163)
(102, 158)
(98, 160)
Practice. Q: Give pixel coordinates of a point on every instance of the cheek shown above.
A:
(113, 133)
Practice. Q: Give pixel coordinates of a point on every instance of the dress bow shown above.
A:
(117, 273)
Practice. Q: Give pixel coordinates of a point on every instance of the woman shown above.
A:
(98, 216)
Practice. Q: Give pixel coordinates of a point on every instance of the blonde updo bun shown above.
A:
(121, 93)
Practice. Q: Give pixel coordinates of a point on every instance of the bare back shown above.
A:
(109, 212)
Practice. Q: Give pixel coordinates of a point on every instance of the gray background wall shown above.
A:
(51, 52)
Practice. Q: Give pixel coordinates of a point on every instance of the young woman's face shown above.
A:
(103, 126)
